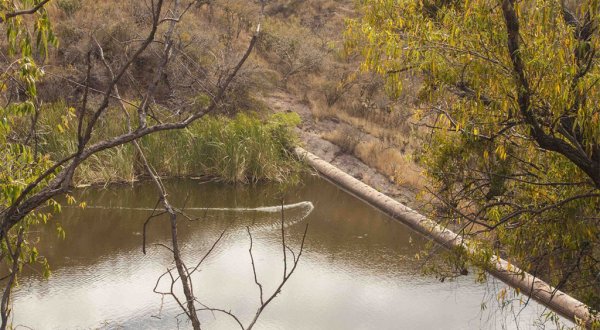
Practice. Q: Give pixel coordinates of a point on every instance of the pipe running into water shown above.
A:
(528, 284)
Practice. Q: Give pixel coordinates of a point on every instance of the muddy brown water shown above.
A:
(357, 271)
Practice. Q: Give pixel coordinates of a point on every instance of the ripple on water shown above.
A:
(358, 269)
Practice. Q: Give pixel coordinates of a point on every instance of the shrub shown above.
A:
(345, 137)
(69, 7)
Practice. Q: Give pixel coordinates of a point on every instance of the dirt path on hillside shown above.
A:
(311, 131)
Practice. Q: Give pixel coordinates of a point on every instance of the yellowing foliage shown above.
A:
(513, 91)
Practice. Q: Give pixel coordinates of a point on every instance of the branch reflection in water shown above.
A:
(357, 272)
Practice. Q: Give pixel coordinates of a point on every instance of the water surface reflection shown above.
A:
(357, 271)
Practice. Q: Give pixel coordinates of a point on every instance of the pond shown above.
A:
(358, 269)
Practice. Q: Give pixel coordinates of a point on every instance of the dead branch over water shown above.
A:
(57, 179)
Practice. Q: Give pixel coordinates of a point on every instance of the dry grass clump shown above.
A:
(320, 113)
(360, 101)
(394, 162)
(397, 166)
(345, 137)
(365, 98)
(290, 49)
(389, 160)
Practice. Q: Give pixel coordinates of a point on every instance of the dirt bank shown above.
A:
(311, 132)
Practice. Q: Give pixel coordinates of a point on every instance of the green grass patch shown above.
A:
(244, 149)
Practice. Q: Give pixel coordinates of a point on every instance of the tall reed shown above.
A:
(244, 149)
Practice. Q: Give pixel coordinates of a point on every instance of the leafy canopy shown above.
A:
(510, 90)
(28, 36)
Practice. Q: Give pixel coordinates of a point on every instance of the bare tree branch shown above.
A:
(260, 287)
(29, 11)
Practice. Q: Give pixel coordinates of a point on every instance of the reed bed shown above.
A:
(246, 148)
